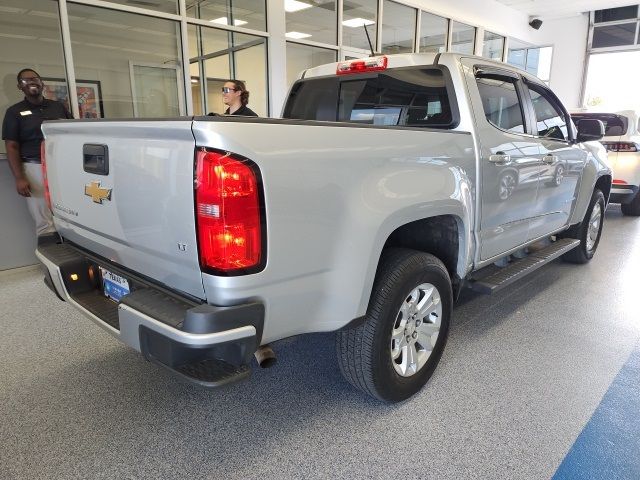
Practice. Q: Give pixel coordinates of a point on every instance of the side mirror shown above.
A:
(589, 130)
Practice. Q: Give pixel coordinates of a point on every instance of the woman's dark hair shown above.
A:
(241, 87)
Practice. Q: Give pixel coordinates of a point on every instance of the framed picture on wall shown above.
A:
(89, 95)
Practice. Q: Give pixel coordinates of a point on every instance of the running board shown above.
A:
(518, 269)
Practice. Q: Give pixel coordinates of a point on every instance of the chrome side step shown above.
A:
(518, 269)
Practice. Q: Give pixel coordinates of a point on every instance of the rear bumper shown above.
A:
(622, 193)
(206, 344)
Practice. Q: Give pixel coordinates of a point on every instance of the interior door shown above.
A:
(561, 162)
(509, 157)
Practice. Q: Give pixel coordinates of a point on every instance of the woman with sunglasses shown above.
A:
(236, 96)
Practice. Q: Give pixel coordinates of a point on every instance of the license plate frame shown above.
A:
(114, 286)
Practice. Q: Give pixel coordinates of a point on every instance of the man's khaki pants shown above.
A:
(36, 203)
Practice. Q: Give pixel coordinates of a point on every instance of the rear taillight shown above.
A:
(45, 180)
(373, 64)
(228, 213)
(621, 146)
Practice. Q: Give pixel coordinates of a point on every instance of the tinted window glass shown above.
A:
(313, 99)
(410, 97)
(614, 35)
(550, 118)
(501, 104)
(613, 14)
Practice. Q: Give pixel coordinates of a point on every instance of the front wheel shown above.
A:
(395, 351)
(588, 231)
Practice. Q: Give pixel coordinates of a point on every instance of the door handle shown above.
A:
(500, 159)
(550, 158)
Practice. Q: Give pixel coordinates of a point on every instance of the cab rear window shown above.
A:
(411, 97)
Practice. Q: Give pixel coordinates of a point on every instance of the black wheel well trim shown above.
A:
(438, 235)
(603, 183)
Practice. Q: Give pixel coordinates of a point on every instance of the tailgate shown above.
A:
(146, 224)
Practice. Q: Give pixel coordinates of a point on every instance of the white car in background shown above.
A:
(622, 142)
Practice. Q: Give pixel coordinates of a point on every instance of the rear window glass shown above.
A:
(415, 97)
(614, 125)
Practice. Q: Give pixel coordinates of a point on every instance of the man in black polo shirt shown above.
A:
(22, 137)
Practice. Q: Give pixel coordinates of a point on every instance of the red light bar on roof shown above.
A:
(362, 65)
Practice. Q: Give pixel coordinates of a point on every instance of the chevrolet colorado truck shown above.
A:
(390, 184)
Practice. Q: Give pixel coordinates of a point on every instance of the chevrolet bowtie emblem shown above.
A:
(96, 192)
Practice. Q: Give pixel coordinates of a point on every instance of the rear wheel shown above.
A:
(395, 351)
(588, 231)
(633, 207)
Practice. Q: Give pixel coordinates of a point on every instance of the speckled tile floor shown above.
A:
(521, 375)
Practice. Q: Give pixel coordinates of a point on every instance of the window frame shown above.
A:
(555, 102)
(496, 73)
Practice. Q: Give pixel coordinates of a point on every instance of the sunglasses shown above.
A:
(228, 89)
(26, 80)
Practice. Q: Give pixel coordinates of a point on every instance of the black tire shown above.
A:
(582, 253)
(632, 208)
(364, 352)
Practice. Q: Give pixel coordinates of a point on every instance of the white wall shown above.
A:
(568, 37)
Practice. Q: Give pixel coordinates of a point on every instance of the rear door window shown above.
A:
(501, 103)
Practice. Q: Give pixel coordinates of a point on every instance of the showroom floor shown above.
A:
(524, 372)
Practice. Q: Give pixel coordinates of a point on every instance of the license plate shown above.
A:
(114, 286)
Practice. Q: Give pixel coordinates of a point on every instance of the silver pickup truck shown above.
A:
(389, 185)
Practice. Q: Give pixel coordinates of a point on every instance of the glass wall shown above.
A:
(360, 13)
(128, 65)
(301, 57)
(398, 28)
(166, 6)
(249, 61)
(239, 13)
(314, 21)
(493, 46)
(535, 60)
(218, 55)
(462, 38)
(433, 33)
(615, 27)
(30, 38)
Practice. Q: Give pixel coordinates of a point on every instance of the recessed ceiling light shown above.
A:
(295, 6)
(296, 35)
(224, 21)
(357, 22)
